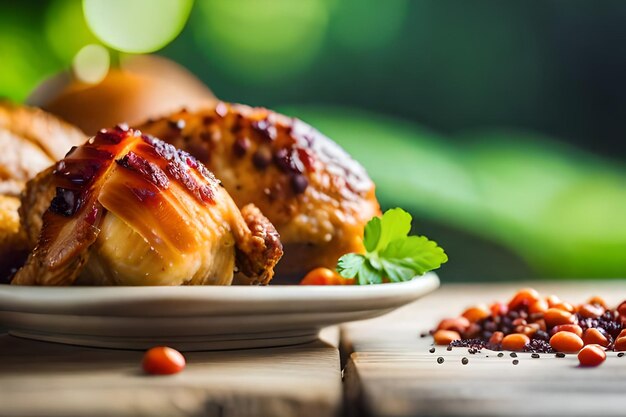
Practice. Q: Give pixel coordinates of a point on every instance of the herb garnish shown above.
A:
(391, 253)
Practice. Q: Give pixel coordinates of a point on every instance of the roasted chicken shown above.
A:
(128, 209)
(315, 194)
(30, 141)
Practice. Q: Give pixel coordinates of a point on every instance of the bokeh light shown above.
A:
(261, 40)
(137, 26)
(91, 64)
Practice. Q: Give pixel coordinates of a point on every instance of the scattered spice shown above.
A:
(536, 324)
(513, 355)
(535, 356)
(432, 350)
(515, 361)
(500, 354)
(464, 361)
(619, 355)
(440, 360)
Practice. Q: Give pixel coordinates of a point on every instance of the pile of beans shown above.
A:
(532, 323)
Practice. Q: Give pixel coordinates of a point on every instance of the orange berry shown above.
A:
(445, 337)
(595, 337)
(538, 306)
(515, 342)
(519, 322)
(552, 300)
(554, 317)
(496, 338)
(459, 324)
(541, 323)
(472, 331)
(621, 334)
(572, 328)
(525, 296)
(476, 313)
(566, 342)
(528, 330)
(591, 311)
(325, 276)
(162, 360)
(498, 309)
(620, 344)
(591, 355)
(621, 309)
(564, 306)
(597, 301)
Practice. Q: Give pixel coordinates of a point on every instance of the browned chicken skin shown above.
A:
(315, 194)
(30, 141)
(129, 209)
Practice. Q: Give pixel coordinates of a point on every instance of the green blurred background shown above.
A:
(500, 125)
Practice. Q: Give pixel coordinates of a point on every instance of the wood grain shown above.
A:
(45, 379)
(390, 371)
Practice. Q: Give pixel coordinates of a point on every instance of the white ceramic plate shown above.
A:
(194, 317)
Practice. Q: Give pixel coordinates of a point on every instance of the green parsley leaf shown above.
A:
(422, 254)
(350, 264)
(391, 255)
(395, 224)
(368, 274)
(371, 235)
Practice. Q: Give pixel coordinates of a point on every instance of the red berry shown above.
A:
(591, 355)
(162, 360)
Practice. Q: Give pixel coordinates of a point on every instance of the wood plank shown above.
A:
(49, 379)
(390, 371)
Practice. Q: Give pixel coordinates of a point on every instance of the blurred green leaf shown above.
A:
(561, 209)
(412, 167)
(363, 26)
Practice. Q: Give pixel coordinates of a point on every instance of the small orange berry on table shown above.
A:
(325, 276)
(566, 342)
(591, 355)
(163, 360)
(445, 337)
(515, 342)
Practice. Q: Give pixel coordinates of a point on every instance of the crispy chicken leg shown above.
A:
(30, 141)
(315, 194)
(129, 209)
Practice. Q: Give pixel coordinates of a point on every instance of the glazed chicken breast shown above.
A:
(128, 209)
(315, 194)
(30, 141)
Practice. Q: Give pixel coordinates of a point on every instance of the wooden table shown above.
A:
(45, 379)
(388, 371)
(391, 372)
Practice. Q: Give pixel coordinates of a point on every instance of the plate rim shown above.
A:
(62, 299)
